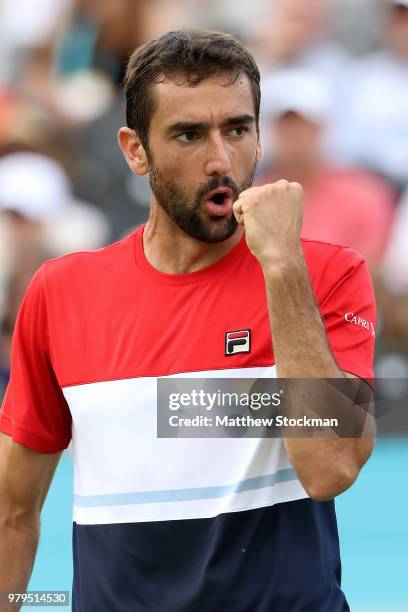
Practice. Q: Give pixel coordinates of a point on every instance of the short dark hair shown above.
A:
(194, 54)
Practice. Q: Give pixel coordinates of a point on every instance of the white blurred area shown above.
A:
(36, 195)
(23, 25)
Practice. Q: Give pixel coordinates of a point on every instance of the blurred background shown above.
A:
(334, 118)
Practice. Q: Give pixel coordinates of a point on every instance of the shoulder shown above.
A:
(319, 254)
(332, 265)
(85, 266)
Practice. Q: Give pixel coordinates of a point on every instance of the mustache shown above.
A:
(216, 183)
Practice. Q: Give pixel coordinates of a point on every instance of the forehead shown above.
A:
(213, 99)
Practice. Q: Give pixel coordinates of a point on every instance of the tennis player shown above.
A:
(179, 524)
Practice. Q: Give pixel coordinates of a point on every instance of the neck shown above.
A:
(170, 250)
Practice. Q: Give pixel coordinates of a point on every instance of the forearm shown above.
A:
(300, 343)
(18, 545)
(326, 464)
(25, 476)
(272, 217)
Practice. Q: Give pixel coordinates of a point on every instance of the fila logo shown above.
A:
(237, 342)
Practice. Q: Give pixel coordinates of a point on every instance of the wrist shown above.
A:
(283, 265)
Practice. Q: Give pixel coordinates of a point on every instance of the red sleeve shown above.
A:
(34, 411)
(347, 305)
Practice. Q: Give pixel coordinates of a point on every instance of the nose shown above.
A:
(218, 161)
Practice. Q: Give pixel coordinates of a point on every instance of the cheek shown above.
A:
(172, 162)
(244, 154)
(168, 166)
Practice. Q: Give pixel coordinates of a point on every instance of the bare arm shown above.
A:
(326, 466)
(272, 217)
(25, 477)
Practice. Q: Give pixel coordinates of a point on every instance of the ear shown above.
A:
(259, 152)
(133, 151)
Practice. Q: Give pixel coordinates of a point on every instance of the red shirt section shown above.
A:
(108, 314)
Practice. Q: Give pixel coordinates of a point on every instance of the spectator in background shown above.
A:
(75, 66)
(375, 102)
(90, 56)
(394, 276)
(68, 88)
(346, 207)
(39, 219)
(25, 125)
(296, 33)
(25, 25)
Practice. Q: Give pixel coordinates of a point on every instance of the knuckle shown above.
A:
(270, 188)
(282, 185)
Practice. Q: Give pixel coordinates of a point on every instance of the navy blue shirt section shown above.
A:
(283, 558)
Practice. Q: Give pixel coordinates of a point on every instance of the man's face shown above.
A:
(203, 151)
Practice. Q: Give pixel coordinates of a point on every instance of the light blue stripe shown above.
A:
(172, 495)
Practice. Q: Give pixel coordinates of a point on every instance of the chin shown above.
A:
(219, 230)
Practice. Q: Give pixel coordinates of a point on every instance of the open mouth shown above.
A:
(219, 196)
(219, 202)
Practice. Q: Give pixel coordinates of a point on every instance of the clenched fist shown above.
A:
(272, 218)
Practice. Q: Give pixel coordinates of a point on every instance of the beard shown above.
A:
(186, 210)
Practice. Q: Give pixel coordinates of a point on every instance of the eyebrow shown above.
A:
(191, 126)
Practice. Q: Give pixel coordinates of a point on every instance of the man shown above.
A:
(240, 524)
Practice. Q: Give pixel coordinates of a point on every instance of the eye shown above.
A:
(237, 132)
(188, 137)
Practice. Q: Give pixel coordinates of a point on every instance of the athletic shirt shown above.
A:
(178, 525)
